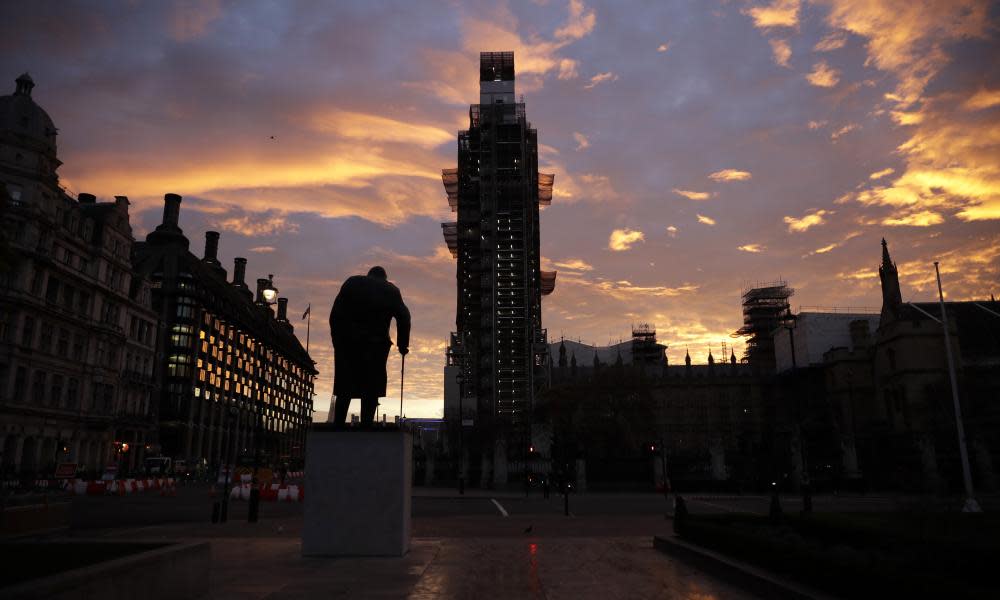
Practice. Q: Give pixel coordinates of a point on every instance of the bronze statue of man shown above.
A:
(359, 326)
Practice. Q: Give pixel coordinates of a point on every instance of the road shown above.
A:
(442, 512)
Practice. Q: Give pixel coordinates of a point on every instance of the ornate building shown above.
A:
(234, 379)
(77, 330)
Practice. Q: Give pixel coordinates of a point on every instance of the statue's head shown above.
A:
(377, 273)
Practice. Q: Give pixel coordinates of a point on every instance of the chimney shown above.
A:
(85, 198)
(239, 271)
(282, 309)
(171, 210)
(212, 247)
(859, 333)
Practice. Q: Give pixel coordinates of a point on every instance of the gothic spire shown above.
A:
(887, 273)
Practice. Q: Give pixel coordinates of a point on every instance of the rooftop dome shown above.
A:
(25, 124)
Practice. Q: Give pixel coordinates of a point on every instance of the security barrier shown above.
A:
(269, 493)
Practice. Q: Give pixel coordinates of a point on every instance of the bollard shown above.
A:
(566, 502)
(254, 507)
(216, 509)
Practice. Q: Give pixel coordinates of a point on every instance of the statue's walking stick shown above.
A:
(402, 376)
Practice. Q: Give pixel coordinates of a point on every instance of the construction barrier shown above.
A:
(121, 487)
(269, 493)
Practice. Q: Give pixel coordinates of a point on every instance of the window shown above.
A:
(52, 290)
(182, 336)
(45, 339)
(179, 365)
(6, 318)
(28, 331)
(72, 394)
(20, 383)
(62, 346)
(68, 296)
(83, 303)
(36, 282)
(78, 347)
(55, 391)
(38, 387)
(185, 307)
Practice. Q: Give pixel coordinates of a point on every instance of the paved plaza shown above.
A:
(480, 545)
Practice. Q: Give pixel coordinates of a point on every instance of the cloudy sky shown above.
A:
(697, 145)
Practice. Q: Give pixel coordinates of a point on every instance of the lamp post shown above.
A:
(268, 295)
(461, 435)
(233, 413)
(971, 505)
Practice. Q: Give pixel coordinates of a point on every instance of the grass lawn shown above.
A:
(23, 561)
(915, 555)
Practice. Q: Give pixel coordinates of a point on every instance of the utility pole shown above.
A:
(971, 505)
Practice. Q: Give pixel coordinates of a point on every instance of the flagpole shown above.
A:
(309, 314)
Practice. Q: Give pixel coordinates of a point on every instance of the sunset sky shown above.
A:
(697, 145)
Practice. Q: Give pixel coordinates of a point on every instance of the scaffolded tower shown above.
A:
(765, 308)
(496, 191)
(645, 349)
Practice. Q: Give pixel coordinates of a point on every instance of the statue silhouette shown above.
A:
(359, 327)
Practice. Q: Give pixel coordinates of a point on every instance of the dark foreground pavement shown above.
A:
(263, 561)
(463, 547)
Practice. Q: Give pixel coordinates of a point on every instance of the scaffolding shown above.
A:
(449, 177)
(645, 349)
(765, 308)
(450, 232)
(545, 181)
(548, 280)
(496, 191)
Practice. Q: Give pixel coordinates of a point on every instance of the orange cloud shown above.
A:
(832, 41)
(600, 78)
(376, 128)
(624, 239)
(781, 51)
(692, 195)
(923, 218)
(582, 142)
(730, 175)
(882, 173)
(805, 223)
(574, 264)
(751, 248)
(823, 75)
(580, 22)
(843, 131)
(779, 13)
(982, 99)
(706, 220)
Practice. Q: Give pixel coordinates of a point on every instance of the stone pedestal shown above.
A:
(357, 492)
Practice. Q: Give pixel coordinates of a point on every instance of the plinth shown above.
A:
(357, 492)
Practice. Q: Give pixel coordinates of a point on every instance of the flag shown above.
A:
(308, 310)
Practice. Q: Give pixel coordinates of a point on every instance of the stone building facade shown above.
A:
(77, 329)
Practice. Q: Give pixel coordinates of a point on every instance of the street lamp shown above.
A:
(270, 292)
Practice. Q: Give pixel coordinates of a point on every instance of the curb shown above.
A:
(754, 579)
